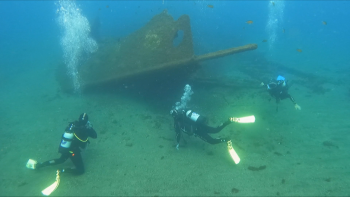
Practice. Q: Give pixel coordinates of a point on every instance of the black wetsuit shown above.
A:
(186, 125)
(79, 142)
(279, 91)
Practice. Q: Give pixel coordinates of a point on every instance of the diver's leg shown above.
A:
(208, 129)
(277, 102)
(78, 163)
(205, 137)
(63, 158)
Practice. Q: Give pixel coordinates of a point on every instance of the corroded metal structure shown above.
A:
(147, 52)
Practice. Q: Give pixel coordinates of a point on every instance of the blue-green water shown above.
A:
(301, 153)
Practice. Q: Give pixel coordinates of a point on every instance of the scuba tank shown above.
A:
(195, 117)
(67, 137)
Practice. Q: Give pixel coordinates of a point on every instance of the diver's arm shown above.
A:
(278, 99)
(90, 130)
(263, 84)
(178, 134)
(92, 133)
(296, 106)
(291, 98)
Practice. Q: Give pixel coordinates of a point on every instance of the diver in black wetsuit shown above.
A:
(73, 140)
(192, 123)
(279, 90)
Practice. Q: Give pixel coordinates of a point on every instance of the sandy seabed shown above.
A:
(288, 153)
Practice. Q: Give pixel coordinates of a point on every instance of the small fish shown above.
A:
(329, 144)
(210, 6)
(273, 3)
(299, 50)
(324, 22)
(284, 31)
(264, 41)
(107, 6)
(249, 22)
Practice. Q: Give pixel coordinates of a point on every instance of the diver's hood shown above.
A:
(280, 78)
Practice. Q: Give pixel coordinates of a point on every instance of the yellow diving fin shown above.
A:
(232, 152)
(248, 119)
(47, 191)
(31, 164)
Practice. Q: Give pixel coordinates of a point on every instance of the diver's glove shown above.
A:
(88, 125)
(297, 107)
(177, 146)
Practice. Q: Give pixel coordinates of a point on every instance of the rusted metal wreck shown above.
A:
(148, 53)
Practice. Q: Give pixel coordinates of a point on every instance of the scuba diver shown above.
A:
(74, 140)
(192, 123)
(279, 90)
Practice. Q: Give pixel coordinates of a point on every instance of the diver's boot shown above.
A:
(227, 122)
(224, 124)
(38, 165)
(43, 164)
(232, 119)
